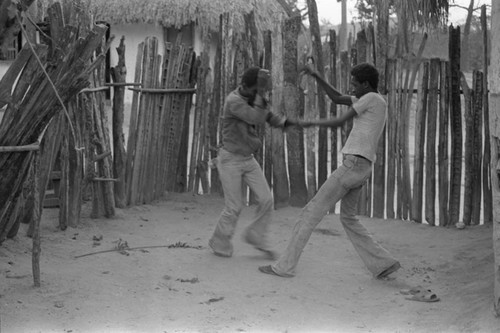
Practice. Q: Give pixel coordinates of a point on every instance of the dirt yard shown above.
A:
(171, 282)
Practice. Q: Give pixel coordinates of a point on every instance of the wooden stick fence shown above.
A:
(157, 146)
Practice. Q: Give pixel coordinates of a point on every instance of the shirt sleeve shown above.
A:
(360, 105)
(252, 115)
(257, 114)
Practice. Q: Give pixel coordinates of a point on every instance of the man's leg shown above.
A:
(230, 177)
(329, 193)
(256, 233)
(376, 258)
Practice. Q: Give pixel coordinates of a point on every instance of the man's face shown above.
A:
(358, 89)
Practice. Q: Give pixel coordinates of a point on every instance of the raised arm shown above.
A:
(335, 95)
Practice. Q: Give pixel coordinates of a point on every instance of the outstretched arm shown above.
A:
(331, 122)
(335, 95)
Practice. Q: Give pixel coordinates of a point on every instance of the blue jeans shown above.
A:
(234, 170)
(343, 184)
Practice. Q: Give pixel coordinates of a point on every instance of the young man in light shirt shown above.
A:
(368, 109)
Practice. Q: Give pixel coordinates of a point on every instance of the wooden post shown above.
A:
(295, 139)
(444, 130)
(400, 195)
(35, 257)
(310, 113)
(487, 191)
(477, 106)
(280, 178)
(333, 106)
(456, 126)
(344, 88)
(131, 185)
(391, 135)
(420, 122)
(494, 113)
(381, 47)
(268, 142)
(430, 151)
(318, 57)
(469, 138)
(119, 75)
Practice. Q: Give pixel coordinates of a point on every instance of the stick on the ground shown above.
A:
(176, 245)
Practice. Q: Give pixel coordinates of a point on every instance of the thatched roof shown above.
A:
(176, 13)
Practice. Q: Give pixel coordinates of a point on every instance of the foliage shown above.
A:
(366, 9)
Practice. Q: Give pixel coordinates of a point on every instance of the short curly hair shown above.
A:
(249, 77)
(366, 72)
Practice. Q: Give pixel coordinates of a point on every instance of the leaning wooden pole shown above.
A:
(494, 105)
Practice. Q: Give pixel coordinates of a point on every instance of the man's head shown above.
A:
(255, 80)
(364, 79)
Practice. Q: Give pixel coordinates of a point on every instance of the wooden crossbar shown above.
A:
(164, 91)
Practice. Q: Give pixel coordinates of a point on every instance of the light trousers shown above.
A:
(343, 184)
(234, 171)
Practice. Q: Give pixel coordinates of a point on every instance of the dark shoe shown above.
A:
(269, 270)
(389, 271)
(221, 253)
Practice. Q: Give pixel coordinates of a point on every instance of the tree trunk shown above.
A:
(318, 57)
(494, 106)
(295, 139)
(280, 179)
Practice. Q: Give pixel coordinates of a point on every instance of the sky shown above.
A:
(330, 10)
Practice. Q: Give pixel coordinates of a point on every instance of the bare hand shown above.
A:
(308, 69)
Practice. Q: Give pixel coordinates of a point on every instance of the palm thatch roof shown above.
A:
(177, 13)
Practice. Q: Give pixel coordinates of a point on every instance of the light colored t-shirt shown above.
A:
(368, 125)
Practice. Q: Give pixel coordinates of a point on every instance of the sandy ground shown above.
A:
(183, 287)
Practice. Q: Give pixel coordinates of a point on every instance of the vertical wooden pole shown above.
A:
(64, 182)
(344, 88)
(400, 195)
(294, 139)
(477, 148)
(430, 151)
(380, 50)
(333, 107)
(310, 113)
(456, 126)
(391, 135)
(119, 73)
(268, 142)
(420, 122)
(132, 135)
(487, 191)
(35, 259)
(469, 142)
(444, 130)
(280, 179)
(318, 57)
(494, 113)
